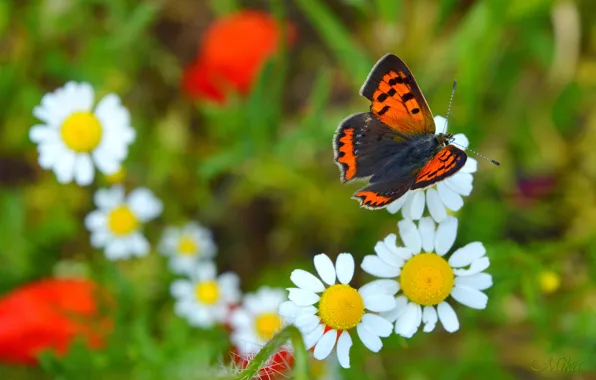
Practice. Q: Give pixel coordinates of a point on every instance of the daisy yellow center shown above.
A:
(427, 279)
(266, 325)
(341, 307)
(187, 246)
(81, 132)
(207, 292)
(122, 221)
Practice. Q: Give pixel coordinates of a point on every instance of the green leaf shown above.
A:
(352, 58)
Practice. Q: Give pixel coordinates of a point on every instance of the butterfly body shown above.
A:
(394, 145)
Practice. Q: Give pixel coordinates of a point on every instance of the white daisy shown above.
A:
(426, 278)
(116, 224)
(256, 320)
(205, 299)
(74, 137)
(186, 246)
(340, 308)
(445, 194)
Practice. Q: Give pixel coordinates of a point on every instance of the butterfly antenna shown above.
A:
(476, 153)
(449, 107)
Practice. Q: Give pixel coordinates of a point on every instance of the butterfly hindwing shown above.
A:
(445, 163)
(380, 194)
(362, 144)
(396, 99)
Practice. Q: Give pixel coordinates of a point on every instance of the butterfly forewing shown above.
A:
(396, 99)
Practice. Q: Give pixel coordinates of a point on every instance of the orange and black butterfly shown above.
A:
(394, 145)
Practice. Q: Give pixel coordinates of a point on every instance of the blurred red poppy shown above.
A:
(232, 52)
(49, 314)
(278, 365)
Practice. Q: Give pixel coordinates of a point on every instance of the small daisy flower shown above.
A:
(442, 196)
(116, 224)
(186, 246)
(256, 320)
(205, 299)
(427, 278)
(74, 137)
(339, 308)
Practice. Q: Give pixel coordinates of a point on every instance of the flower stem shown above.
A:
(290, 333)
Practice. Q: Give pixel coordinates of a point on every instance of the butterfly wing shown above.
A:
(363, 144)
(396, 98)
(379, 195)
(445, 163)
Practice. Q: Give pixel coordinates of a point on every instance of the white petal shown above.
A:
(325, 345)
(370, 340)
(460, 184)
(409, 235)
(417, 205)
(95, 220)
(206, 271)
(377, 325)
(84, 96)
(83, 170)
(379, 302)
(109, 198)
(400, 304)
(477, 266)
(313, 337)
(116, 250)
(375, 266)
(306, 280)
(344, 343)
(387, 255)
(441, 124)
(144, 204)
(406, 210)
(470, 166)
(466, 254)
(435, 205)
(390, 287)
(288, 309)
(396, 205)
(302, 297)
(325, 268)
(65, 166)
(448, 317)
(240, 319)
(105, 163)
(461, 140)
(426, 227)
(450, 198)
(429, 318)
(100, 238)
(344, 266)
(181, 288)
(446, 234)
(138, 244)
(41, 133)
(470, 297)
(407, 324)
(307, 323)
(478, 281)
(391, 243)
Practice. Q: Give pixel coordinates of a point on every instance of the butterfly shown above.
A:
(394, 145)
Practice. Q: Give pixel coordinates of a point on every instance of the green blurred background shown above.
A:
(260, 172)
